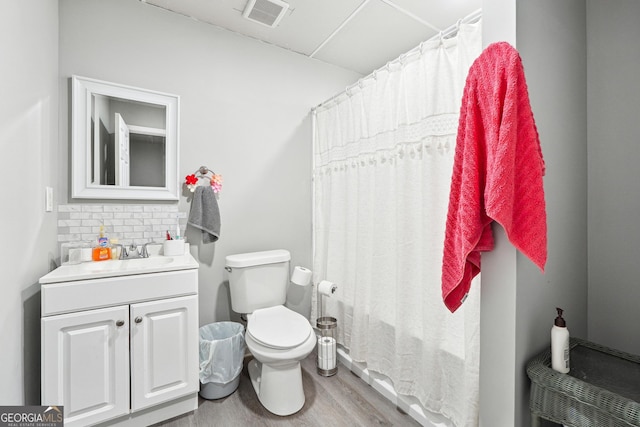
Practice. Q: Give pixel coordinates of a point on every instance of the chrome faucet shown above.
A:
(134, 251)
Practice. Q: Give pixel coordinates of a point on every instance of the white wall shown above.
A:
(614, 154)
(28, 139)
(244, 114)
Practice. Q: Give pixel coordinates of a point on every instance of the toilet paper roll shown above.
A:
(326, 364)
(301, 276)
(326, 353)
(327, 288)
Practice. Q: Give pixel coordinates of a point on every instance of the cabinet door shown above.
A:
(85, 364)
(164, 350)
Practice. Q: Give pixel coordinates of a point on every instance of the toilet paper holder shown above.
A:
(327, 362)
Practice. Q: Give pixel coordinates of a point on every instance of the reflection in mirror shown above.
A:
(124, 143)
(127, 142)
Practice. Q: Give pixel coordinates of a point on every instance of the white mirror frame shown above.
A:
(81, 91)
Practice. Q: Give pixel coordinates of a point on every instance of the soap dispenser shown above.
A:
(102, 251)
(560, 344)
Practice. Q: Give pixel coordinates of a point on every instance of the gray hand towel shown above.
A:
(205, 214)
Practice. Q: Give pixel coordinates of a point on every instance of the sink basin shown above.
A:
(111, 268)
(128, 264)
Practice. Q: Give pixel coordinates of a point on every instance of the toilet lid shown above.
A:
(278, 327)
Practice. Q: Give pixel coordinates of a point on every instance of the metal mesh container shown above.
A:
(327, 361)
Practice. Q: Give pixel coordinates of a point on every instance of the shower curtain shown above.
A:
(383, 158)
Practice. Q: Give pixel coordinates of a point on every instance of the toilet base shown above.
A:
(279, 388)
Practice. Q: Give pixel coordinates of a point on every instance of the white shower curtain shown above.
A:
(383, 158)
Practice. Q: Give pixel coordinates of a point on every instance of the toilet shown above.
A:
(277, 337)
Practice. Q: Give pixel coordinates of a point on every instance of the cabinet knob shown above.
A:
(138, 319)
(120, 323)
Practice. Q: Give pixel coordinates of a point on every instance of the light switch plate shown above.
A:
(48, 199)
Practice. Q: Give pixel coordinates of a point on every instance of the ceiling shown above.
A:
(359, 35)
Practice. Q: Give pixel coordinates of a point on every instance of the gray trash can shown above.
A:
(221, 356)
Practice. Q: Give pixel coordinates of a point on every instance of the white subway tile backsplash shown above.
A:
(102, 215)
(69, 222)
(92, 208)
(78, 230)
(69, 208)
(79, 215)
(114, 208)
(133, 221)
(127, 223)
(69, 237)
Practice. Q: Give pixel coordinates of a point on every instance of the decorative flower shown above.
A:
(192, 182)
(216, 183)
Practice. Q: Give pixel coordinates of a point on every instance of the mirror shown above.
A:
(124, 142)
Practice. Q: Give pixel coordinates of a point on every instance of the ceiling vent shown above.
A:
(265, 12)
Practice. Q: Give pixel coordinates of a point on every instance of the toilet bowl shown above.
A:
(278, 339)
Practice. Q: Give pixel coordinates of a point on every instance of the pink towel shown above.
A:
(497, 172)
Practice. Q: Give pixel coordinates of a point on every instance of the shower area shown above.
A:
(382, 162)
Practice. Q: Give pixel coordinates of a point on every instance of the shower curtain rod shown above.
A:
(444, 34)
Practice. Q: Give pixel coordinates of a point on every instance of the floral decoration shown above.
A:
(191, 181)
(216, 183)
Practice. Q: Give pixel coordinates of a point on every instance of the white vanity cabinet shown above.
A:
(121, 350)
(85, 364)
(164, 350)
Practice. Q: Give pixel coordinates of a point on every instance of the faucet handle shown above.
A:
(145, 250)
(120, 249)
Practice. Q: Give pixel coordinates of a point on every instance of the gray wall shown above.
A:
(581, 60)
(518, 302)
(613, 40)
(244, 114)
(551, 37)
(28, 139)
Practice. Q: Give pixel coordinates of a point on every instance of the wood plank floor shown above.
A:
(340, 400)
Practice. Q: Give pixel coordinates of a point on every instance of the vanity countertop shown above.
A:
(114, 268)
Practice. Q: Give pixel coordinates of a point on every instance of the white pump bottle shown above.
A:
(560, 344)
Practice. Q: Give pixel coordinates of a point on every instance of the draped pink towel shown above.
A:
(497, 172)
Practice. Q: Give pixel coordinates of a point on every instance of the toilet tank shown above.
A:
(258, 279)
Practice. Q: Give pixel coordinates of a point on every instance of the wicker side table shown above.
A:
(601, 390)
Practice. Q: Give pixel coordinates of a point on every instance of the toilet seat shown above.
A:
(278, 327)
